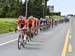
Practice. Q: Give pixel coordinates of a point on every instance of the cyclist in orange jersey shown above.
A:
(37, 25)
(20, 23)
(31, 25)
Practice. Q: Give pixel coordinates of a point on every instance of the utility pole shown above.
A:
(43, 3)
(26, 8)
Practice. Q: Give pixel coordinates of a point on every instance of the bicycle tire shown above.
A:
(19, 43)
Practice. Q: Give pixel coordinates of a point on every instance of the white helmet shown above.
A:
(21, 18)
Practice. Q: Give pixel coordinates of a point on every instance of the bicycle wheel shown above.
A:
(24, 40)
(27, 39)
(19, 42)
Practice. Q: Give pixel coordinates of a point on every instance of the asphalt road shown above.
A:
(73, 35)
(49, 43)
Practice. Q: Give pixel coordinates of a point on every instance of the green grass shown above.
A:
(7, 25)
(56, 17)
(8, 19)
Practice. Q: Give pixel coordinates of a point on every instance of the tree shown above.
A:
(35, 8)
(14, 8)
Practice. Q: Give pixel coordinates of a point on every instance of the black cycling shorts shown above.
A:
(30, 25)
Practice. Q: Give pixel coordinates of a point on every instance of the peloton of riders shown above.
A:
(33, 24)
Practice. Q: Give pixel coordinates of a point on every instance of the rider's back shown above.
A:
(30, 21)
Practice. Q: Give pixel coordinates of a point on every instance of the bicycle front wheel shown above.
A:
(19, 42)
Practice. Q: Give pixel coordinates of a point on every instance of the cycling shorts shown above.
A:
(30, 25)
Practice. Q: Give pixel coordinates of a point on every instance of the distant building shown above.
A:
(51, 8)
(70, 15)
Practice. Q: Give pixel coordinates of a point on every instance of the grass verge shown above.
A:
(7, 25)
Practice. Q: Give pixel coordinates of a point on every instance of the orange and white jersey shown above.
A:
(26, 22)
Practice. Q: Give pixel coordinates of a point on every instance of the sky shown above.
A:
(64, 6)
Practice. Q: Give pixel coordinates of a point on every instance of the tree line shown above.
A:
(14, 8)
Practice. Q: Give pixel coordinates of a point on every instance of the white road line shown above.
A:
(8, 42)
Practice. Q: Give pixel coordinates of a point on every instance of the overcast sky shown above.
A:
(65, 6)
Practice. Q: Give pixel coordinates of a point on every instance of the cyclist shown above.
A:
(47, 21)
(30, 26)
(21, 25)
(33, 24)
(36, 23)
(42, 23)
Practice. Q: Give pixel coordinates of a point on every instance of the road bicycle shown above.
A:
(22, 39)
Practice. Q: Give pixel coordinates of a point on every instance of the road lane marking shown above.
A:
(70, 48)
(66, 44)
(70, 36)
(8, 42)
